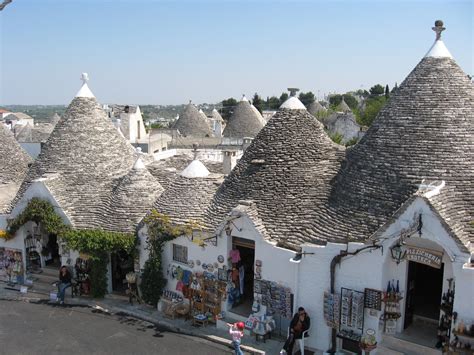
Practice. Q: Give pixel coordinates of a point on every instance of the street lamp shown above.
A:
(398, 254)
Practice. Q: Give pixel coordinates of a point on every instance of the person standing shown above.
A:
(298, 325)
(64, 282)
(237, 332)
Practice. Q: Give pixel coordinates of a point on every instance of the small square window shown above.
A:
(180, 253)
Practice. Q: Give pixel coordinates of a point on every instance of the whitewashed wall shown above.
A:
(374, 270)
(275, 261)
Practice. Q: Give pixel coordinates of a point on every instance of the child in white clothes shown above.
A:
(237, 332)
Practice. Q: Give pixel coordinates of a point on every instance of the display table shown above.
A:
(200, 320)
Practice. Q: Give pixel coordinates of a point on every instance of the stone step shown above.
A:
(51, 271)
(382, 350)
(407, 347)
(44, 278)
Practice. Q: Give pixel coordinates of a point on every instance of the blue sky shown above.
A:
(167, 52)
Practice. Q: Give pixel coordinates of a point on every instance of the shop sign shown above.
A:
(428, 257)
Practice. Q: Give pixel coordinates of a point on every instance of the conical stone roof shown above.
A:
(286, 172)
(132, 198)
(86, 155)
(217, 116)
(424, 132)
(189, 196)
(14, 163)
(192, 123)
(14, 160)
(244, 122)
(343, 107)
(315, 107)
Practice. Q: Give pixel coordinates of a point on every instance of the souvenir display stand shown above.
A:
(391, 311)
(11, 266)
(351, 322)
(463, 340)
(259, 323)
(278, 299)
(206, 295)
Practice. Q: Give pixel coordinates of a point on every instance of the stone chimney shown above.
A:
(230, 160)
(246, 141)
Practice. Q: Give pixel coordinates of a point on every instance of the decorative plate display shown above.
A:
(220, 258)
(204, 266)
(198, 262)
(191, 264)
(210, 268)
(258, 262)
(216, 265)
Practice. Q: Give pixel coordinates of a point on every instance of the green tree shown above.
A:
(307, 98)
(373, 106)
(377, 90)
(228, 108)
(351, 101)
(387, 91)
(283, 97)
(273, 103)
(335, 100)
(258, 102)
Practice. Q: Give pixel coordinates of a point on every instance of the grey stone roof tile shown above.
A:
(192, 123)
(244, 122)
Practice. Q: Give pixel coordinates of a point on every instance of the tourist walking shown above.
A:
(237, 332)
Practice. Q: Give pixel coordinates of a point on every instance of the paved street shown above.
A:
(27, 328)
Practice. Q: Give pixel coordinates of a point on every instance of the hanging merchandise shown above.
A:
(277, 298)
(391, 300)
(445, 322)
(373, 298)
(331, 309)
(241, 278)
(234, 256)
(351, 314)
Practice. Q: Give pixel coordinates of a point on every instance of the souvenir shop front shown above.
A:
(412, 283)
(235, 276)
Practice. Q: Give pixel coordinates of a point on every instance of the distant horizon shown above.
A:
(166, 53)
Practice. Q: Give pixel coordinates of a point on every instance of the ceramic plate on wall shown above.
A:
(220, 259)
(191, 264)
(198, 262)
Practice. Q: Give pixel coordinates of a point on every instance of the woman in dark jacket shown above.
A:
(64, 282)
(298, 325)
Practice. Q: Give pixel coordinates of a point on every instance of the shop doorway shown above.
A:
(425, 287)
(422, 310)
(245, 269)
(121, 264)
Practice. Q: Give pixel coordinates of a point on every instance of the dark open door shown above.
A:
(410, 301)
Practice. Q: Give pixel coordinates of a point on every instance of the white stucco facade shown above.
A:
(372, 268)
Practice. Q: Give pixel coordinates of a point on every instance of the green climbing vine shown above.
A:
(96, 243)
(39, 211)
(160, 231)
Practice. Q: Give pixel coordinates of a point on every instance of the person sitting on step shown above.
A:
(64, 283)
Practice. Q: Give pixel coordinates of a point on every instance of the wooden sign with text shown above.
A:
(428, 257)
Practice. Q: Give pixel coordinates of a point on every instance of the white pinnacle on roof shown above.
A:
(244, 98)
(139, 165)
(195, 170)
(438, 49)
(84, 91)
(293, 103)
